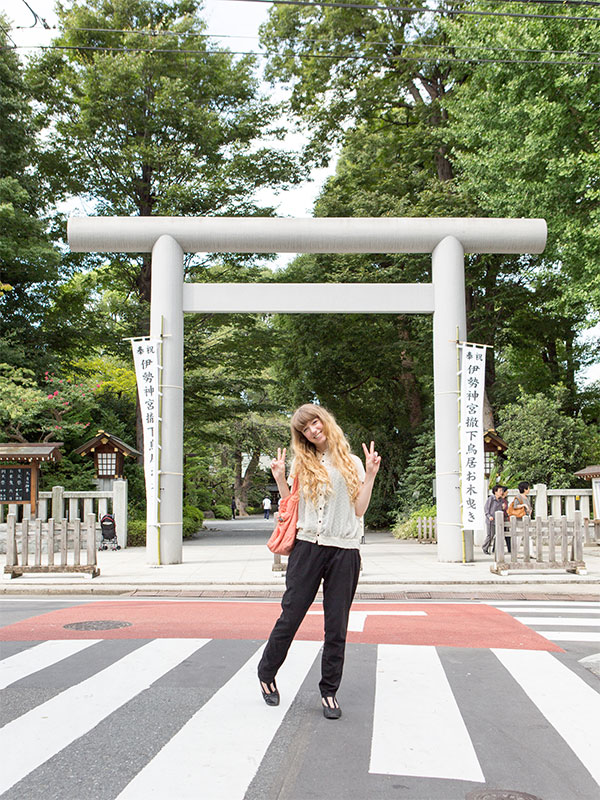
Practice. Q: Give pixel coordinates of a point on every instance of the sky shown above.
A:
(238, 23)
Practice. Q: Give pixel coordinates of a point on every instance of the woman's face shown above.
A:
(313, 431)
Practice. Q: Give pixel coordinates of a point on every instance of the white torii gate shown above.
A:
(447, 239)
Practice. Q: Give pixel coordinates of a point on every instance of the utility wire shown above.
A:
(412, 9)
(204, 53)
(439, 45)
(36, 19)
(8, 36)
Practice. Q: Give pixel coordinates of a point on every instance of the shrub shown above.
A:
(193, 519)
(136, 533)
(222, 511)
(406, 527)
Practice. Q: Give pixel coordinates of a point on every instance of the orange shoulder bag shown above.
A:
(283, 538)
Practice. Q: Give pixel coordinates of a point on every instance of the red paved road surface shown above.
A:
(444, 624)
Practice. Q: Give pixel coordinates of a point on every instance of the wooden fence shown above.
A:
(32, 539)
(427, 530)
(534, 544)
(591, 529)
(60, 504)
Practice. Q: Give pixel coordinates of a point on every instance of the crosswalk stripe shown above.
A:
(39, 734)
(546, 610)
(217, 753)
(417, 727)
(567, 702)
(38, 657)
(584, 622)
(545, 603)
(570, 636)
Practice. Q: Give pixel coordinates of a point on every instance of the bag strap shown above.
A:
(295, 486)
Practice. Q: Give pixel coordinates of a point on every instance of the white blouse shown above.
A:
(332, 522)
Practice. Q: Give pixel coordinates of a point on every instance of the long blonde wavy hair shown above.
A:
(307, 465)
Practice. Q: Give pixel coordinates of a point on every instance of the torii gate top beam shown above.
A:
(311, 235)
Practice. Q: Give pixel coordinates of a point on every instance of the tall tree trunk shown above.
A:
(242, 483)
(407, 379)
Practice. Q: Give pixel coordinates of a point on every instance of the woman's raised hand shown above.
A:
(372, 460)
(278, 464)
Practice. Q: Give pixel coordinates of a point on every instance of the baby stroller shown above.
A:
(109, 533)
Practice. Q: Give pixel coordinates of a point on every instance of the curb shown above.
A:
(411, 592)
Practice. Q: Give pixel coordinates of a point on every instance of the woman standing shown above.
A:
(334, 494)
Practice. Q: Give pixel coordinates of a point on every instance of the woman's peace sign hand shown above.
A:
(278, 464)
(372, 460)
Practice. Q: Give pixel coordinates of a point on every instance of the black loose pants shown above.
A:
(308, 564)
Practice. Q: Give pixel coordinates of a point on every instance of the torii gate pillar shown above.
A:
(166, 320)
(449, 325)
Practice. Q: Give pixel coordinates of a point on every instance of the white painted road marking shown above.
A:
(357, 619)
(567, 702)
(546, 610)
(417, 727)
(38, 657)
(217, 753)
(570, 636)
(36, 736)
(545, 604)
(577, 621)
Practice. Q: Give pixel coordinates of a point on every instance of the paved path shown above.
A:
(439, 700)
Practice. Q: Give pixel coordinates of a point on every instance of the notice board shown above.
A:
(17, 485)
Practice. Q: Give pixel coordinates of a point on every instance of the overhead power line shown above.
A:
(412, 9)
(36, 18)
(439, 45)
(8, 36)
(205, 53)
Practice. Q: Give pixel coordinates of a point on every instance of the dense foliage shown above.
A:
(135, 112)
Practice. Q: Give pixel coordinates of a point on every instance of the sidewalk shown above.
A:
(230, 559)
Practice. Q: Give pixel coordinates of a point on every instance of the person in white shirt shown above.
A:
(334, 494)
(266, 504)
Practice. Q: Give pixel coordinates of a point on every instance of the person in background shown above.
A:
(233, 507)
(492, 504)
(506, 515)
(266, 504)
(522, 501)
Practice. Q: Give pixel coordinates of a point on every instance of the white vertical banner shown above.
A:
(472, 478)
(146, 358)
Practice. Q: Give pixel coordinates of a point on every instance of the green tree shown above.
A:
(388, 87)
(545, 445)
(147, 118)
(230, 404)
(60, 411)
(28, 260)
(524, 143)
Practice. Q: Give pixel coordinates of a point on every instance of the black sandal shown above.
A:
(331, 711)
(271, 697)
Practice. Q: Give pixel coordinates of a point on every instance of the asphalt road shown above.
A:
(158, 698)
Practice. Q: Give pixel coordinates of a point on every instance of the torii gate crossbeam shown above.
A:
(447, 239)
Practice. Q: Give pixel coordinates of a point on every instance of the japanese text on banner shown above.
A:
(472, 386)
(146, 354)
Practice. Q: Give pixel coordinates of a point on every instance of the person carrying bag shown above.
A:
(520, 506)
(331, 491)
